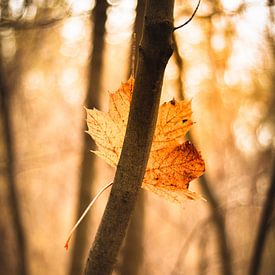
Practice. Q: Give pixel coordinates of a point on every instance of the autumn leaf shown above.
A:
(172, 163)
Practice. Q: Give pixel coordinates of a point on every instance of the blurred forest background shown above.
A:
(59, 56)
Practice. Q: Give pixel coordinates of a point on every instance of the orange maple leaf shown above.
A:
(172, 163)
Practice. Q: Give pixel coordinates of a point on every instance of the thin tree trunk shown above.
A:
(179, 62)
(132, 251)
(264, 226)
(218, 221)
(5, 102)
(87, 174)
(217, 216)
(269, 204)
(154, 53)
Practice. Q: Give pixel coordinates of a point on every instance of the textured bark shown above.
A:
(154, 53)
(87, 173)
(132, 252)
(5, 104)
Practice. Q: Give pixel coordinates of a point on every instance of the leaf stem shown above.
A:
(84, 214)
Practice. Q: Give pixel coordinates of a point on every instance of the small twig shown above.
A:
(185, 23)
(84, 213)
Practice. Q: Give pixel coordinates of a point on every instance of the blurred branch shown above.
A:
(180, 65)
(269, 204)
(24, 24)
(217, 216)
(36, 24)
(87, 173)
(218, 221)
(203, 260)
(5, 96)
(155, 51)
(200, 227)
(264, 226)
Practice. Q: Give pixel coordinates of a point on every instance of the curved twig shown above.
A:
(193, 14)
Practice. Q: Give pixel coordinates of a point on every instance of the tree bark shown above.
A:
(87, 173)
(5, 104)
(154, 53)
(132, 252)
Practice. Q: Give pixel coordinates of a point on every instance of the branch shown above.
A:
(189, 20)
(264, 226)
(179, 62)
(5, 104)
(24, 24)
(155, 51)
(87, 173)
(217, 216)
(218, 221)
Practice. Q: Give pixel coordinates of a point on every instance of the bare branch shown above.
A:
(189, 20)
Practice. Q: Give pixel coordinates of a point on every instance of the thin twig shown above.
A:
(185, 23)
(85, 212)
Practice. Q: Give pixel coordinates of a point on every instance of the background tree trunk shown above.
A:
(79, 249)
(213, 202)
(14, 204)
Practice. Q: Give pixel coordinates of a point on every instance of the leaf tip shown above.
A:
(66, 246)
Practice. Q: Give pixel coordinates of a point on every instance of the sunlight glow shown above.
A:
(265, 134)
(16, 7)
(34, 79)
(8, 44)
(231, 5)
(218, 42)
(252, 112)
(197, 73)
(68, 77)
(193, 34)
(120, 21)
(80, 6)
(30, 12)
(73, 29)
(245, 138)
(171, 71)
(114, 2)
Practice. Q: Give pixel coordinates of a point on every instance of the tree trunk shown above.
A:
(217, 215)
(154, 53)
(17, 224)
(264, 226)
(87, 173)
(132, 252)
